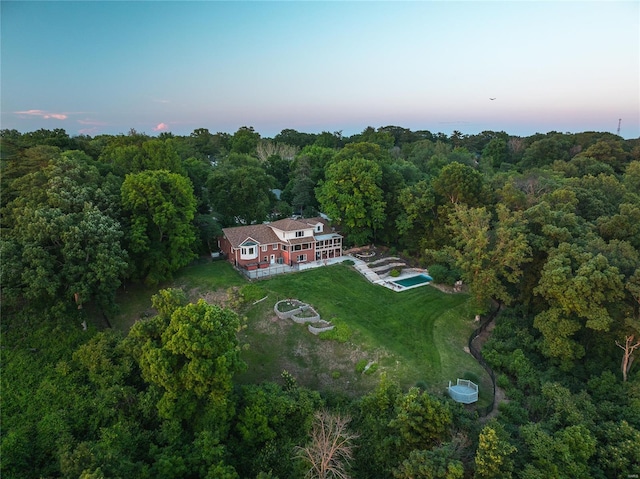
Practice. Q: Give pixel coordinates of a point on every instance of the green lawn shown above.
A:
(200, 277)
(210, 275)
(415, 336)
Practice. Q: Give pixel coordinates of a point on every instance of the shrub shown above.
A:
(439, 273)
(361, 367)
(372, 369)
(341, 332)
(335, 374)
(394, 273)
(502, 381)
(444, 274)
(348, 262)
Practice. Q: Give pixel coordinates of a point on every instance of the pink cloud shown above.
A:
(43, 114)
(161, 127)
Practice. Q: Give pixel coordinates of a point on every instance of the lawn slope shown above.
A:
(415, 336)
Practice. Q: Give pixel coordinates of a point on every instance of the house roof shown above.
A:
(260, 233)
(315, 220)
(289, 224)
(302, 240)
(264, 234)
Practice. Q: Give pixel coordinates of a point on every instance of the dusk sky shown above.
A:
(107, 67)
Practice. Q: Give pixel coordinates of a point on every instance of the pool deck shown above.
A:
(387, 281)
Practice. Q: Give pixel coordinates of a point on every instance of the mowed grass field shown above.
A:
(413, 337)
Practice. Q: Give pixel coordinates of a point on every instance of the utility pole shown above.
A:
(618, 131)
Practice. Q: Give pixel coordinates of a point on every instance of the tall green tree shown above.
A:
(270, 422)
(421, 422)
(245, 141)
(161, 207)
(369, 135)
(300, 189)
(64, 246)
(351, 196)
(630, 340)
(417, 214)
(295, 138)
(546, 150)
(495, 153)
(240, 190)
(490, 255)
(492, 457)
(374, 456)
(190, 351)
(631, 178)
(437, 463)
(578, 287)
(458, 183)
(564, 454)
(21, 168)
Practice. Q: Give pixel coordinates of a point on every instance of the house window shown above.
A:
(299, 234)
(301, 258)
(306, 246)
(248, 252)
(319, 228)
(275, 247)
(297, 247)
(264, 248)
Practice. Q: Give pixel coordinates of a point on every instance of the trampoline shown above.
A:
(464, 391)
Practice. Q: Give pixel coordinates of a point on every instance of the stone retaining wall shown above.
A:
(290, 313)
(320, 329)
(293, 314)
(306, 319)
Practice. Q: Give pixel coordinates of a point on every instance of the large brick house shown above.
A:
(288, 242)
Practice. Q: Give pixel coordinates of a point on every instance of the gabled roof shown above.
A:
(315, 220)
(263, 233)
(259, 233)
(289, 224)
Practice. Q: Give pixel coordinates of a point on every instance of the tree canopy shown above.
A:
(546, 225)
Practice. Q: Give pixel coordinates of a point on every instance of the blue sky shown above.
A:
(106, 67)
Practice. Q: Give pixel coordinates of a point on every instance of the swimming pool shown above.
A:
(412, 281)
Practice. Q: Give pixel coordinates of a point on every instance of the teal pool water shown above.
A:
(413, 280)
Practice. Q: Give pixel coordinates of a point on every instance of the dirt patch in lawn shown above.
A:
(220, 297)
(275, 344)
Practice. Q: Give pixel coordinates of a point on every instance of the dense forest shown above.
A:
(545, 227)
